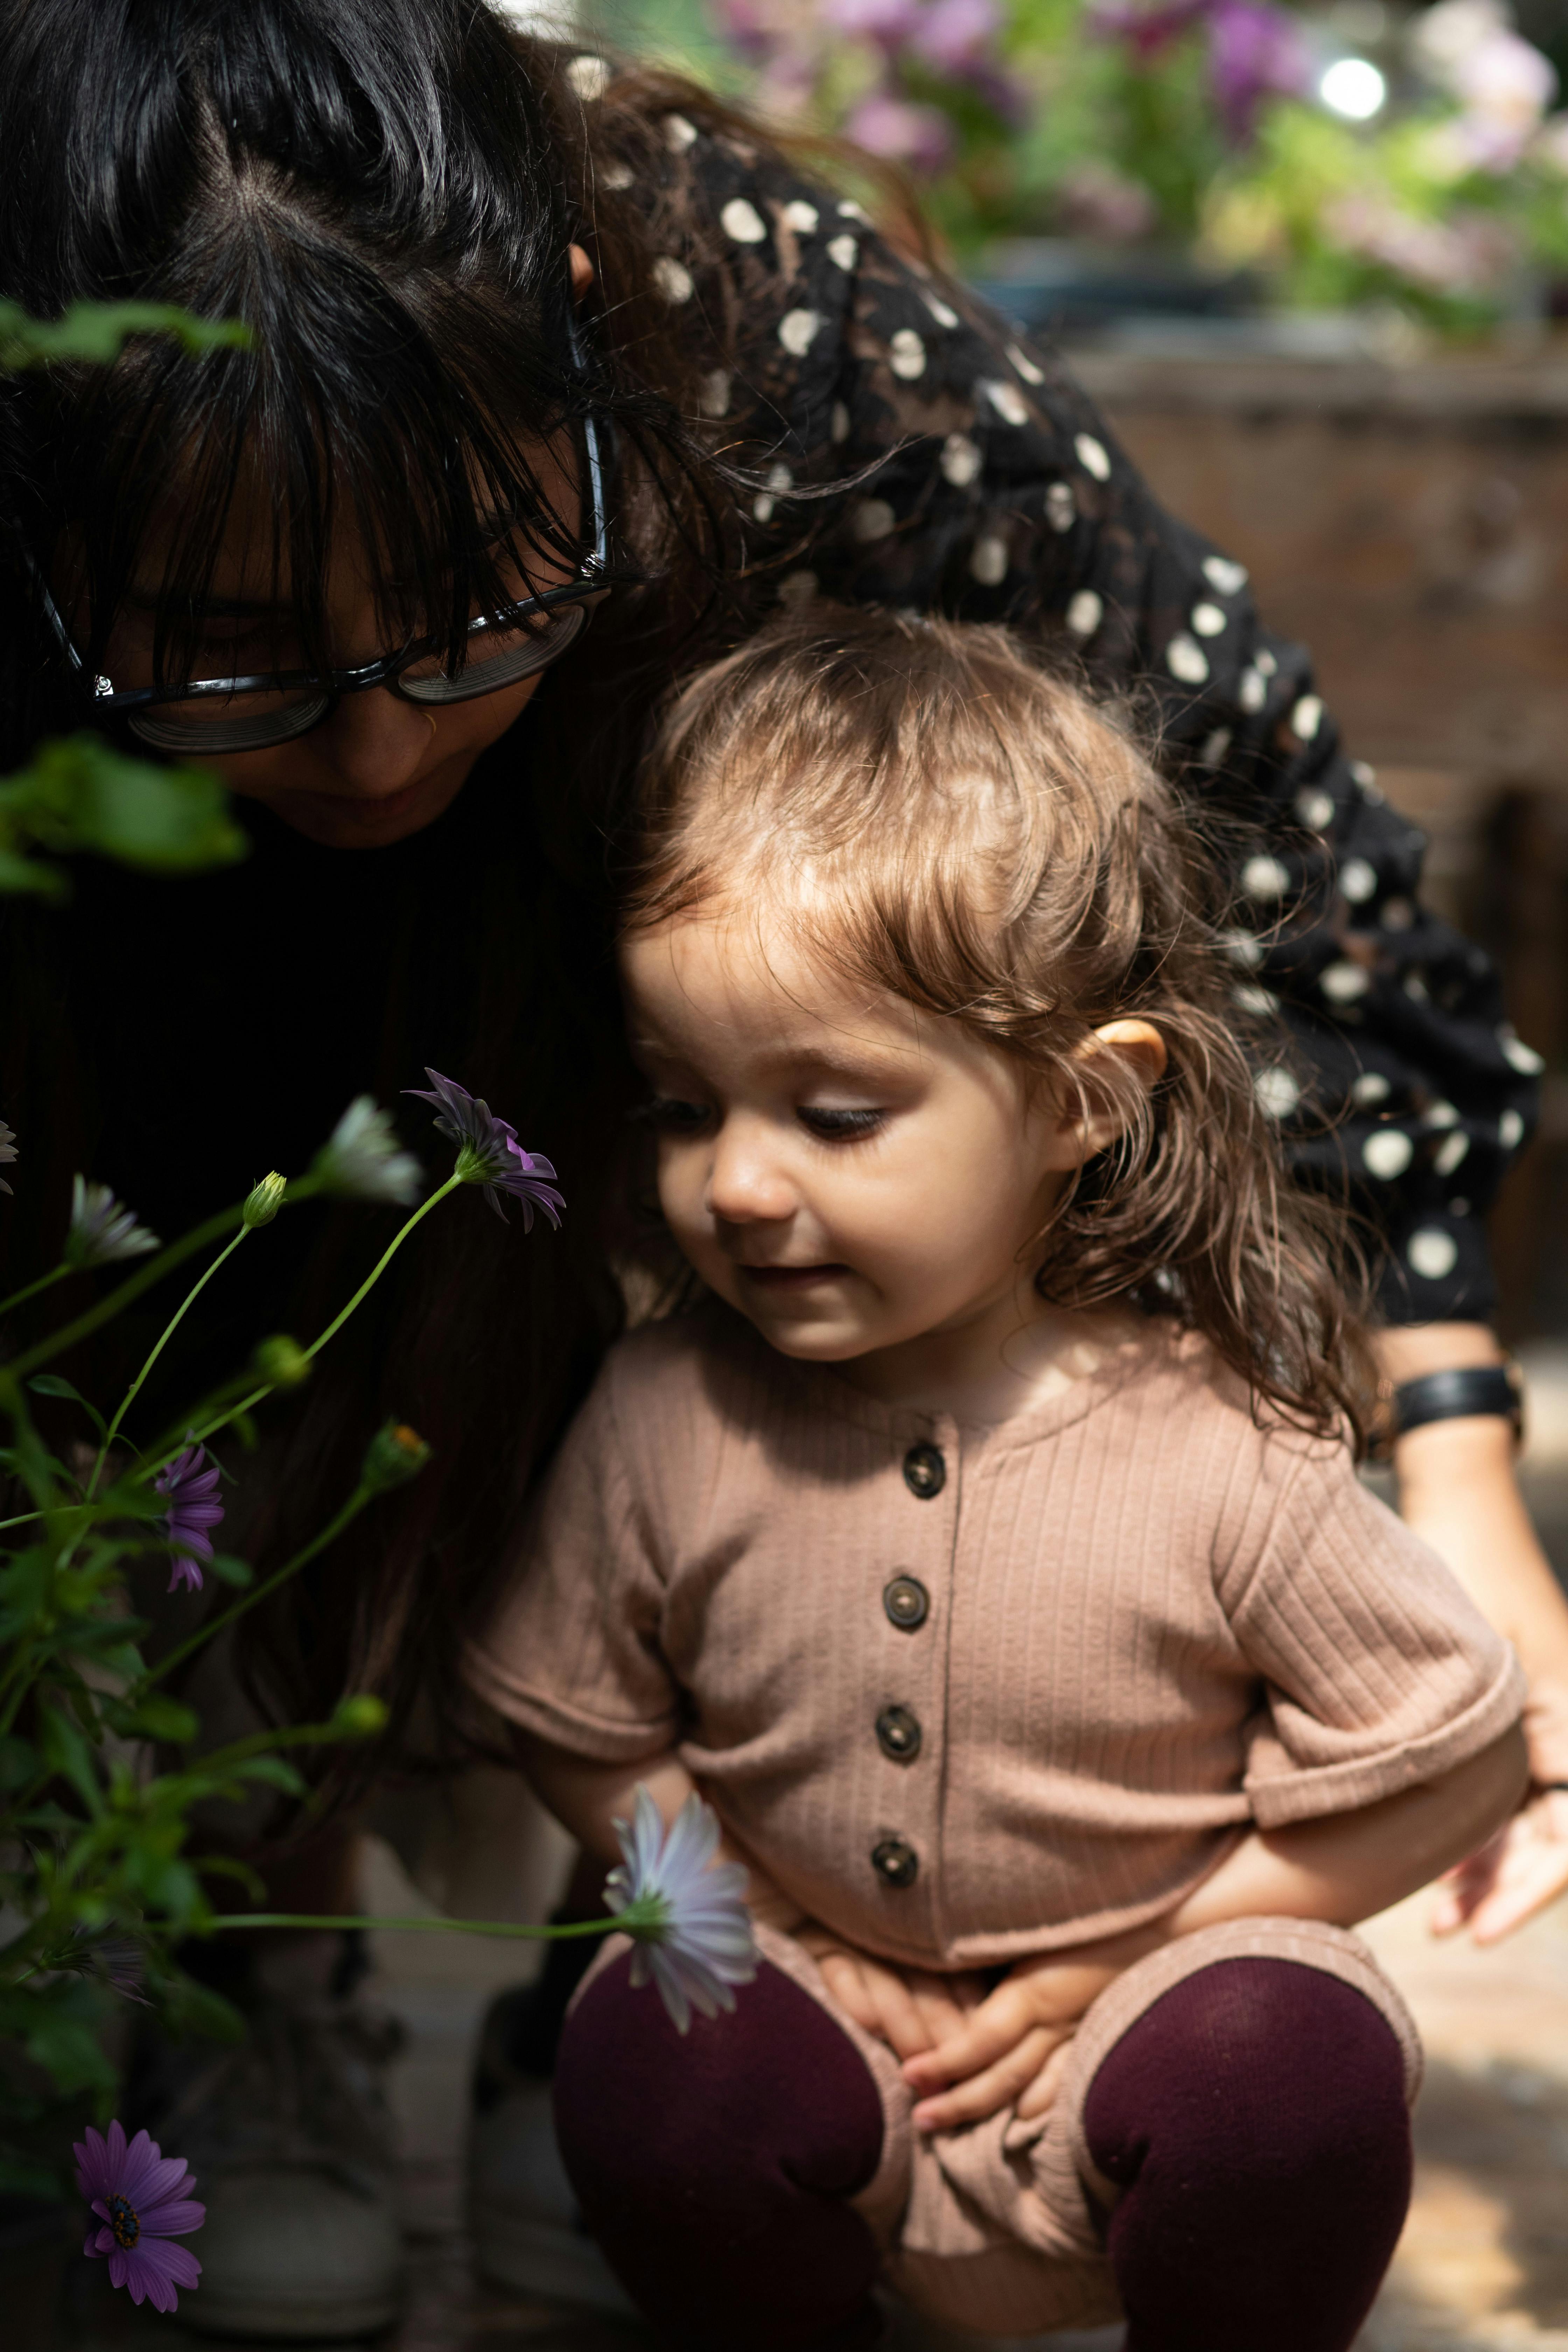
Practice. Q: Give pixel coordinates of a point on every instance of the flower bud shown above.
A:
(264, 1200)
(361, 1716)
(395, 1454)
(280, 1361)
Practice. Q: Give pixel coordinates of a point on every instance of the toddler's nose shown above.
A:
(746, 1183)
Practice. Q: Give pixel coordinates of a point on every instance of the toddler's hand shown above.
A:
(908, 2008)
(1011, 2051)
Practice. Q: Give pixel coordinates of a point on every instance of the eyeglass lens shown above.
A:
(495, 659)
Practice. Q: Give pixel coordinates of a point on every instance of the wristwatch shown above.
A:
(1454, 1395)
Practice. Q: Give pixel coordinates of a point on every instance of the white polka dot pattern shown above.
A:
(1025, 365)
(943, 313)
(1342, 982)
(1007, 401)
(1451, 1156)
(800, 216)
(672, 278)
(907, 354)
(1185, 659)
(1208, 621)
(679, 133)
(742, 221)
(1251, 692)
(1358, 882)
(1307, 718)
(1522, 1057)
(1276, 1091)
(797, 588)
(1315, 809)
(960, 460)
(1092, 457)
(588, 77)
(1222, 574)
(1432, 1253)
(798, 329)
(1265, 877)
(844, 252)
(872, 519)
(1061, 507)
(1511, 1130)
(1370, 1088)
(1085, 612)
(1387, 1153)
(988, 560)
(716, 393)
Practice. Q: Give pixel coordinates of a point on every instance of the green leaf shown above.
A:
(18, 1762)
(228, 1569)
(99, 330)
(154, 1717)
(50, 1384)
(65, 1751)
(78, 793)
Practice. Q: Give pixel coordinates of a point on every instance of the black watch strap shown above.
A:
(1454, 1395)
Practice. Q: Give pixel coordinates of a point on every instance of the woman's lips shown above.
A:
(791, 1277)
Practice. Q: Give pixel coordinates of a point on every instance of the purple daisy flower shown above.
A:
(140, 2197)
(701, 1943)
(7, 1148)
(194, 1508)
(489, 1153)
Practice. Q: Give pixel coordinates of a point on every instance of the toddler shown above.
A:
(983, 1539)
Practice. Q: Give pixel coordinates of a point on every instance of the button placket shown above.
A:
(902, 1855)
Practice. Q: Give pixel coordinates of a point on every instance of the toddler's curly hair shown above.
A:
(945, 816)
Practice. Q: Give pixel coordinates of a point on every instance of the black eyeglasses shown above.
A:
(251, 714)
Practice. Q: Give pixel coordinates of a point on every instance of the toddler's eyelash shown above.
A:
(839, 1125)
(668, 1112)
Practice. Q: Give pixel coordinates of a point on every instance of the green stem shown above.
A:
(210, 1429)
(44, 1282)
(333, 1528)
(383, 1261)
(107, 1309)
(645, 1914)
(178, 1317)
(22, 1519)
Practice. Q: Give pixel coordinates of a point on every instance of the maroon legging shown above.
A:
(1253, 2118)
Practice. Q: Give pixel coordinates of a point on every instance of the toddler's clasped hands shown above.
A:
(968, 2053)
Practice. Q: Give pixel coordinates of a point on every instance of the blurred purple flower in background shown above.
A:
(140, 2197)
(489, 1153)
(1254, 52)
(194, 1508)
(901, 132)
(887, 23)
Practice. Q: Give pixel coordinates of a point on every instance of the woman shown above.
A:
(474, 265)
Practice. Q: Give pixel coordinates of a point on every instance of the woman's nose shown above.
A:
(746, 1185)
(376, 741)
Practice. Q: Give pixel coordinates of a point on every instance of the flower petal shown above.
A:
(173, 2219)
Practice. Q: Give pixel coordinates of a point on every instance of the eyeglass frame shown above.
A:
(387, 668)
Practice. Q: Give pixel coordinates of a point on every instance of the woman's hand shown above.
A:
(909, 2008)
(1010, 2051)
(1515, 1874)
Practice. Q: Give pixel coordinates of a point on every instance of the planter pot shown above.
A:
(1063, 286)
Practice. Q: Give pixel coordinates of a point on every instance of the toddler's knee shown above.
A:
(1272, 2069)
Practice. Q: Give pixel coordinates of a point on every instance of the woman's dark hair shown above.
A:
(383, 192)
(943, 818)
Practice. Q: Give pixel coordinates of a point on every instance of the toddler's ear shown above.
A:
(1124, 1060)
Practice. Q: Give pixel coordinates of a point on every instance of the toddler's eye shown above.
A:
(838, 1126)
(673, 1117)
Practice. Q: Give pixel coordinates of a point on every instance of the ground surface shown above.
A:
(1483, 2266)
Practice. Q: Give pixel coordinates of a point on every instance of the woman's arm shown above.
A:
(1459, 1492)
(1342, 1868)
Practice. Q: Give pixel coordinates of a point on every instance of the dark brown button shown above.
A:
(906, 1602)
(925, 1472)
(899, 1733)
(895, 1862)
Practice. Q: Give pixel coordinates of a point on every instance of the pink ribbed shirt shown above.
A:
(969, 1694)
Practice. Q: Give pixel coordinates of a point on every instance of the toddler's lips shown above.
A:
(790, 1278)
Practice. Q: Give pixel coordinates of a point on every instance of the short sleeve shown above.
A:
(572, 1654)
(1378, 1672)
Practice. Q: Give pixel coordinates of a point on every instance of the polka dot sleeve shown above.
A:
(979, 480)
